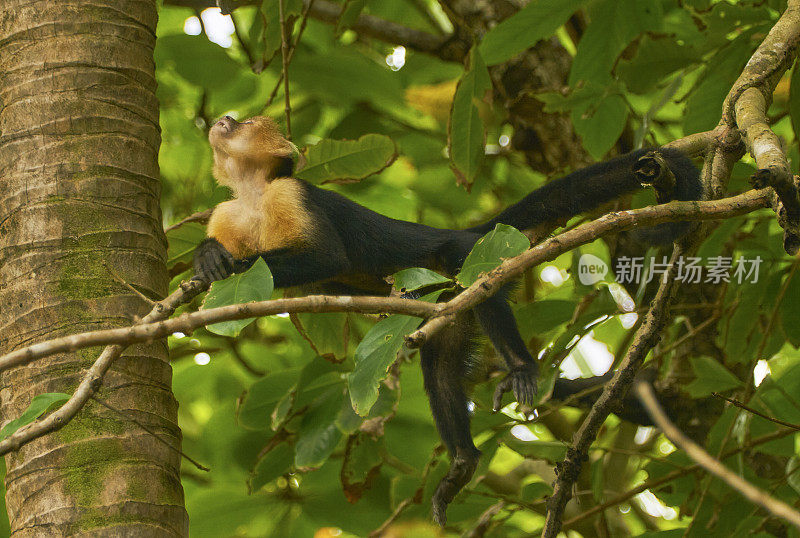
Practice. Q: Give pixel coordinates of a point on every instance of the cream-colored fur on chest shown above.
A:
(262, 218)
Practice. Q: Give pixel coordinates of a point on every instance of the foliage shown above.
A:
(292, 438)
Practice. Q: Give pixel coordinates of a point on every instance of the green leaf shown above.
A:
(268, 25)
(615, 23)
(281, 410)
(362, 461)
(598, 111)
(342, 76)
(466, 133)
(790, 310)
(258, 403)
(376, 352)
(331, 160)
(253, 285)
(183, 241)
(490, 251)
(579, 99)
(417, 277)
(535, 491)
(601, 125)
(536, 21)
(319, 434)
(552, 451)
(350, 12)
(224, 509)
(327, 333)
(39, 404)
(710, 376)
(197, 60)
(705, 100)
(539, 317)
(273, 464)
(656, 58)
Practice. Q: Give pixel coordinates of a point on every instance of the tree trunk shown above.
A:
(79, 214)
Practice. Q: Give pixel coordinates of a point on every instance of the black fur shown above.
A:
(353, 240)
(285, 168)
(590, 187)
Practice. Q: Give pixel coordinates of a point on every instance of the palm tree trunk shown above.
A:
(79, 214)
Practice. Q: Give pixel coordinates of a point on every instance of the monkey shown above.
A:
(307, 234)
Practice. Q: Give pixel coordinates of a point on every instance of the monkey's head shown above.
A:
(251, 149)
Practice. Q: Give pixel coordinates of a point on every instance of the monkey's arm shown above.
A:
(289, 266)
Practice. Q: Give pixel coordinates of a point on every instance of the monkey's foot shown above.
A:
(522, 381)
(460, 473)
(212, 262)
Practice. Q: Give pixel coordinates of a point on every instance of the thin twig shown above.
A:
(672, 475)
(128, 417)
(303, 22)
(187, 322)
(689, 335)
(778, 508)
(237, 354)
(610, 223)
(128, 285)
(201, 217)
(749, 409)
(250, 60)
(485, 520)
(285, 69)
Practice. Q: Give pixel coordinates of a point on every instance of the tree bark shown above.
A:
(79, 214)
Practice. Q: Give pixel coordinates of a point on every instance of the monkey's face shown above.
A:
(248, 150)
(257, 138)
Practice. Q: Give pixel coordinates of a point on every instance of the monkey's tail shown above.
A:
(591, 187)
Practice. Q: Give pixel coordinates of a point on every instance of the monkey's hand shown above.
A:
(212, 262)
(522, 380)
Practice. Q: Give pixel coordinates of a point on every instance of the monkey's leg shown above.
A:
(499, 324)
(444, 361)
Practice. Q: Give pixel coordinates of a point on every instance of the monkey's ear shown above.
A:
(285, 148)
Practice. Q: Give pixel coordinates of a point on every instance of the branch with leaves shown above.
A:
(155, 325)
(438, 314)
(748, 97)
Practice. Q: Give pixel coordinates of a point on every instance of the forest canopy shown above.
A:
(443, 113)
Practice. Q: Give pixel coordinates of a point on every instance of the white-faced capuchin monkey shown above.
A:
(307, 234)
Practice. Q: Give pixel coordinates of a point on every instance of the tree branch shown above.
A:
(93, 378)
(447, 48)
(748, 102)
(155, 328)
(646, 337)
(586, 233)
